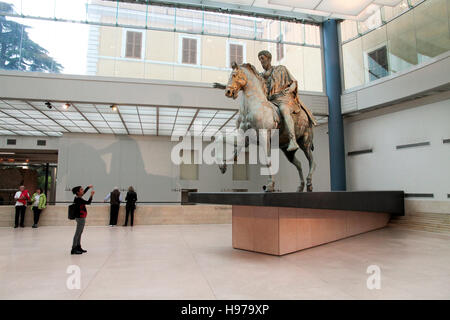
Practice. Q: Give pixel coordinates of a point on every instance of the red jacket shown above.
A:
(26, 195)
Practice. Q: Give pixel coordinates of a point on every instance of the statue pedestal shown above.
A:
(281, 223)
(278, 230)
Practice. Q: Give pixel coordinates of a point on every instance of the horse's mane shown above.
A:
(253, 70)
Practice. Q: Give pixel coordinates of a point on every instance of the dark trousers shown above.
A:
(114, 214)
(129, 211)
(20, 211)
(37, 214)
(78, 231)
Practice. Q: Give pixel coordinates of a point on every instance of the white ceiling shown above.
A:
(343, 9)
(34, 118)
(312, 10)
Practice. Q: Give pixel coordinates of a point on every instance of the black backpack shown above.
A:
(73, 211)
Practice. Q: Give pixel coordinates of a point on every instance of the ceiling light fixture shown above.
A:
(49, 105)
(4, 153)
(66, 106)
(113, 107)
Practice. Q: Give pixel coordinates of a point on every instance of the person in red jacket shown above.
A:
(81, 218)
(22, 197)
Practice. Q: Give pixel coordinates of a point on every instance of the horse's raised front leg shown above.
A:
(290, 155)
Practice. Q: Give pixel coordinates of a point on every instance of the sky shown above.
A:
(65, 42)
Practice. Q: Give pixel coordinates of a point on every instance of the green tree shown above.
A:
(18, 51)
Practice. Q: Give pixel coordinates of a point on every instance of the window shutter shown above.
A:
(129, 47)
(185, 50)
(193, 51)
(236, 54)
(239, 54)
(133, 45)
(189, 51)
(137, 44)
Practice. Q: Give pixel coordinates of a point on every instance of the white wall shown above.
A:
(27, 142)
(423, 169)
(144, 162)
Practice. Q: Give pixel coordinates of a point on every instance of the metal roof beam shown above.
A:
(121, 119)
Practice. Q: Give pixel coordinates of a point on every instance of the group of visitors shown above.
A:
(114, 198)
(38, 202)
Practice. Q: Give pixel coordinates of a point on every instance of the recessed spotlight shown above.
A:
(113, 107)
(66, 106)
(49, 105)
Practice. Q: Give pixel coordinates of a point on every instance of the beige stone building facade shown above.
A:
(185, 45)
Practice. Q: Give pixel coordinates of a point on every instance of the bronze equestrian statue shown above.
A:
(271, 102)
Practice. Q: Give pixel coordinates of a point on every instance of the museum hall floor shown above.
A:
(198, 262)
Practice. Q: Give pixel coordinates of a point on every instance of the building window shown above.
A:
(133, 45)
(189, 51)
(280, 48)
(189, 170)
(236, 53)
(240, 172)
(377, 63)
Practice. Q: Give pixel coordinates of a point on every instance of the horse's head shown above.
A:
(237, 81)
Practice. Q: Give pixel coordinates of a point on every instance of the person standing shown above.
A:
(79, 192)
(22, 197)
(39, 201)
(115, 198)
(131, 199)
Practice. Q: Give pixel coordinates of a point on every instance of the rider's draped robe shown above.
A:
(279, 78)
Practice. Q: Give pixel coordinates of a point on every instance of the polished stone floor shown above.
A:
(197, 262)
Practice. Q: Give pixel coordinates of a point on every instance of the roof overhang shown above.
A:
(306, 11)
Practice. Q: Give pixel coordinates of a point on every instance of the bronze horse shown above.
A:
(257, 112)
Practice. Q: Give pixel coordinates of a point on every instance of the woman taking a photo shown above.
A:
(39, 201)
(80, 217)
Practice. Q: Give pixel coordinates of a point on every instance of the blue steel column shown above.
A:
(333, 89)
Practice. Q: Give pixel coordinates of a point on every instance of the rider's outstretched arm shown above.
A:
(219, 85)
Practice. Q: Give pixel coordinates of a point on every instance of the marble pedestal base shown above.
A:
(281, 230)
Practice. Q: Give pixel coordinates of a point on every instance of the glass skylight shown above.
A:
(101, 118)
